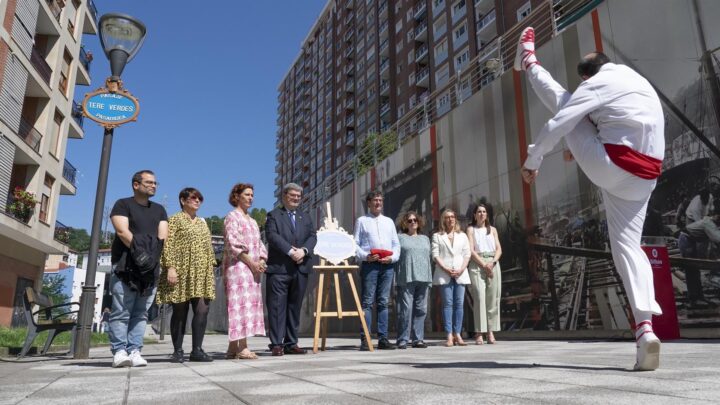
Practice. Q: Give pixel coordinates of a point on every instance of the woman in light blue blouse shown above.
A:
(413, 279)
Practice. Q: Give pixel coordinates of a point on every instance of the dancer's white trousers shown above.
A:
(625, 197)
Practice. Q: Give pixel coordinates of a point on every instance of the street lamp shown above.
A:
(121, 37)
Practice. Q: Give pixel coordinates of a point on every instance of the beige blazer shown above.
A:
(451, 255)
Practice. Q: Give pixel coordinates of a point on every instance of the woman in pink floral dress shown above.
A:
(243, 264)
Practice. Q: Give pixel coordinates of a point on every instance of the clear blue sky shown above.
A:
(207, 79)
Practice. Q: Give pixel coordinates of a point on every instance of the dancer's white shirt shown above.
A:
(623, 106)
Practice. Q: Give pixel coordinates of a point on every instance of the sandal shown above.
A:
(491, 339)
(449, 343)
(246, 355)
(231, 355)
(459, 341)
(479, 339)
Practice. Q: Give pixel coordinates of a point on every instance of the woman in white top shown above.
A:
(451, 253)
(484, 274)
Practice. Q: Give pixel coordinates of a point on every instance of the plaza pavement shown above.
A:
(509, 372)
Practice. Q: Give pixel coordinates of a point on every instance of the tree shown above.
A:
(260, 216)
(79, 240)
(216, 225)
(53, 285)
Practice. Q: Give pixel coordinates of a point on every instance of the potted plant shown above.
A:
(23, 204)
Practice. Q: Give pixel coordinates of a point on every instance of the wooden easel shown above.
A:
(323, 295)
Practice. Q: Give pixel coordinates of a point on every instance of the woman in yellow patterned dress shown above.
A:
(187, 277)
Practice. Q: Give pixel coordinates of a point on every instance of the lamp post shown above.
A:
(121, 37)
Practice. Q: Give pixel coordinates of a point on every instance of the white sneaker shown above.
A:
(137, 360)
(121, 359)
(525, 55)
(648, 352)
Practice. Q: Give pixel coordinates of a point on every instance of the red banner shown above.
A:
(666, 325)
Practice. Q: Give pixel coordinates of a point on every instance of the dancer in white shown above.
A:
(613, 125)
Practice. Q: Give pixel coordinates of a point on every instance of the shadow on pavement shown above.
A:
(496, 365)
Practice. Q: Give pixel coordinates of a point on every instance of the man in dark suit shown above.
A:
(291, 239)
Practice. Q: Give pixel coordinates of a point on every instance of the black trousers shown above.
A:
(178, 321)
(284, 296)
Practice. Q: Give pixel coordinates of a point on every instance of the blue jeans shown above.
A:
(453, 297)
(376, 279)
(128, 316)
(412, 308)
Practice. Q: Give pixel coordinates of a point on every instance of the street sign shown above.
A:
(110, 109)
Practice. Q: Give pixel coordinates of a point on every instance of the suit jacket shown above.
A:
(281, 237)
(451, 255)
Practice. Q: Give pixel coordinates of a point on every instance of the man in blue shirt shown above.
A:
(378, 248)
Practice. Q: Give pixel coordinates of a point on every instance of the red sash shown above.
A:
(634, 162)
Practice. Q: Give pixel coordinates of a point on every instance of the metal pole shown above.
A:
(87, 299)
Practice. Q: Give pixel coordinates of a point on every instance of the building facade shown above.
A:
(42, 61)
(365, 73)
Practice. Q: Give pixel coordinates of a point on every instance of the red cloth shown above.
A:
(382, 253)
(634, 162)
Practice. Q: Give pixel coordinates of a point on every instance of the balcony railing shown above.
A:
(77, 113)
(384, 109)
(420, 8)
(384, 64)
(62, 233)
(420, 31)
(69, 172)
(38, 62)
(93, 10)
(30, 135)
(384, 45)
(489, 17)
(85, 59)
(55, 8)
(421, 52)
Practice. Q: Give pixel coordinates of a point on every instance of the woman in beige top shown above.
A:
(484, 271)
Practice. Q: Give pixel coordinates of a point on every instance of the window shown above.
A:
(399, 67)
(411, 58)
(44, 215)
(398, 26)
(410, 36)
(524, 11)
(65, 73)
(411, 79)
(460, 35)
(458, 11)
(409, 14)
(439, 27)
(441, 51)
(442, 76)
(56, 134)
(462, 59)
(401, 110)
(443, 103)
(399, 46)
(438, 6)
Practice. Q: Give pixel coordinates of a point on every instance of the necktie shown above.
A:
(292, 218)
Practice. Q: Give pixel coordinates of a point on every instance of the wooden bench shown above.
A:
(43, 319)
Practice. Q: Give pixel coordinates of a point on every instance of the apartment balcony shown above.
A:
(349, 35)
(484, 6)
(350, 104)
(385, 47)
(69, 174)
(384, 67)
(85, 57)
(486, 28)
(384, 109)
(349, 69)
(384, 88)
(422, 78)
(55, 8)
(350, 86)
(349, 19)
(38, 62)
(349, 52)
(421, 32)
(75, 129)
(30, 135)
(383, 30)
(423, 96)
(485, 21)
(439, 7)
(421, 54)
(350, 120)
(459, 14)
(420, 9)
(90, 25)
(350, 138)
(383, 9)
(62, 233)
(349, 4)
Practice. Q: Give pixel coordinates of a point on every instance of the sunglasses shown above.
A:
(412, 221)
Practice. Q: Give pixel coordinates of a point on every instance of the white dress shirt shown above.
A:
(696, 210)
(376, 232)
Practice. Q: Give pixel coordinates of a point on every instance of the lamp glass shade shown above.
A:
(121, 32)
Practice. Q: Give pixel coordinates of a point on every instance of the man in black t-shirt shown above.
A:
(136, 215)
